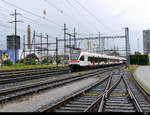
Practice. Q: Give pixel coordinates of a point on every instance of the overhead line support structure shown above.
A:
(42, 46)
(15, 21)
(126, 37)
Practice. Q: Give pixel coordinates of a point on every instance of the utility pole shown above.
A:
(15, 21)
(47, 48)
(99, 43)
(24, 49)
(41, 47)
(79, 45)
(65, 43)
(33, 42)
(57, 51)
(127, 44)
(75, 38)
(103, 45)
(70, 45)
(138, 45)
(138, 52)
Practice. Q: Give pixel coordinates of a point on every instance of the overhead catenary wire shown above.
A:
(86, 20)
(32, 14)
(29, 12)
(33, 21)
(96, 28)
(36, 22)
(65, 14)
(90, 13)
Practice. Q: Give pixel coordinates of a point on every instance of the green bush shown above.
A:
(7, 63)
(20, 61)
(139, 59)
(45, 61)
(58, 60)
(30, 62)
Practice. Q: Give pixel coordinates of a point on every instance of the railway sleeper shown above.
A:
(118, 92)
(146, 109)
(118, 96)
(71, 109)
(117, 99)
(145, 105)
(59, 110)
(94, 92)
(77, 106)
(119, 107)
(143, 102)
(80, 103)
(85, 100)
(117, 104)
(97, 90)
(89, 97)
(116, 110)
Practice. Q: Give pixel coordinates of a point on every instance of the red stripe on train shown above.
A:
(73, 61)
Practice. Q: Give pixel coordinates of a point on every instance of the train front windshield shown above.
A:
(75, 56)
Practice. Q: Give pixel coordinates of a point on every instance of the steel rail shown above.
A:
(95, 103)
(30, 76)
(132, 96)
(42, 85)
(105, 95)
(31, 69)
(51, 107)
(138, 84)
(5, 75)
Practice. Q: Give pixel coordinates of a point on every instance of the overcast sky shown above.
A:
(109, 18)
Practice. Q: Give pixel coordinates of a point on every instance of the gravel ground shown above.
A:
(143, 74)
(34, 102)
(51, 78)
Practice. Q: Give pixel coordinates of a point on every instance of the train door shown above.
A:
(93, 61)
(81, 60)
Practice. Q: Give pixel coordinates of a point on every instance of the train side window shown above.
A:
(82, 58)
(89, 59)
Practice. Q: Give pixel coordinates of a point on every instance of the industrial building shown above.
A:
(12, 51)
(146, 41)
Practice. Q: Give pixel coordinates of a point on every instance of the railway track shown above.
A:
(17, 76)
(24, 75)
(31, 69)
(142, 100)
(112, 94)
(118, 99)
(16, 91)
(80, 101)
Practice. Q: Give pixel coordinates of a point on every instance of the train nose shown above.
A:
(73, 61)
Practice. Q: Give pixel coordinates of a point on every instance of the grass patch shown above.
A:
(132, 67)
(20, 66)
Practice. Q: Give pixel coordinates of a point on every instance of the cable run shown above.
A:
(90, 13)
(29, 12)
(65, 14)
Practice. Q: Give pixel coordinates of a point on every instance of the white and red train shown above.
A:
(93, 60)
